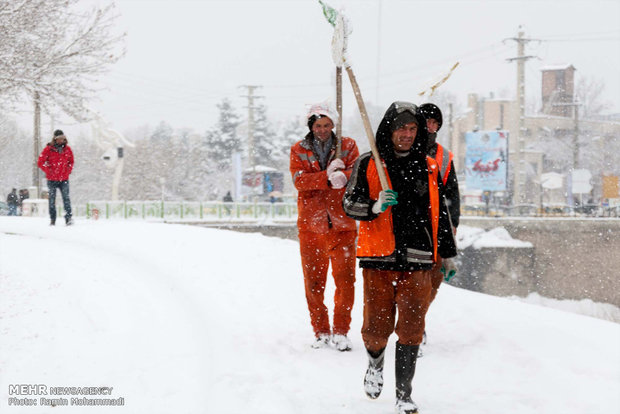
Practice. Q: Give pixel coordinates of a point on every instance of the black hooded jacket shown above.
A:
(409, 176)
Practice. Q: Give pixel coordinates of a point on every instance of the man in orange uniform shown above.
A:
(326, 234)
(403, 230)
(443, 269)
(444, 157)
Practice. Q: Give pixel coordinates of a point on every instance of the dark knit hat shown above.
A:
(402, 119)
(58, 133)
(432, 111)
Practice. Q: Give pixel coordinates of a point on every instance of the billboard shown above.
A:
(610, 186)
(486, 160)
(262, 181)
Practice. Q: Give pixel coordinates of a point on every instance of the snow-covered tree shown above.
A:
(292, 131)
(15, 156)
(53, 51)
(162, 133)
(265, 145)
(589, 93)
(91, 179)
(143, 171)
(222, 141)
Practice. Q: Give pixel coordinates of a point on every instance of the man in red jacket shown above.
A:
(326, 234)
(56, 161)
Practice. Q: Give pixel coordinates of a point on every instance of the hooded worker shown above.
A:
(403, 230)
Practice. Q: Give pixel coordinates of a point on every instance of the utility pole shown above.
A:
(380, 5)
(576, 137)
(36, 180)
(251, 145)
(250, 96)
(451, 140)
(521, 59)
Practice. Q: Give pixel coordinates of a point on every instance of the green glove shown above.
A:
(386, 198)
(448, 269)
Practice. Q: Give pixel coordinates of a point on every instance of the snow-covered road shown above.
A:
(180, 319)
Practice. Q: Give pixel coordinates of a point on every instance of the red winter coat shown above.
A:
(320, 206)
(56, 163)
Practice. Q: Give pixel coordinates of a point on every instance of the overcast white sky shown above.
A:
(183, 57)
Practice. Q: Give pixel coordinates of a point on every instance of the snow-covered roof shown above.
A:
(557, 67)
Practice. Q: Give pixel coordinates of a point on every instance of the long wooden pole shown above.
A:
(339, 110)
(368, 128)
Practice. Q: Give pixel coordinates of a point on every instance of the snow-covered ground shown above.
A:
(180, 319)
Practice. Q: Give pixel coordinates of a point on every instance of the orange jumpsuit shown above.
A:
(326, 234)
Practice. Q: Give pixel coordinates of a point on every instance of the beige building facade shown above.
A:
(501, 114)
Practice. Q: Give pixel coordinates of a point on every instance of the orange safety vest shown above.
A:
(444, 164)
(376, 237)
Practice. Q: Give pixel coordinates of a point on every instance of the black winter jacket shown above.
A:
(410, 217)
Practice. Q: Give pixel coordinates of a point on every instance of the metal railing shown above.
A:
(535, 210)
(192, 210)
(283, 211)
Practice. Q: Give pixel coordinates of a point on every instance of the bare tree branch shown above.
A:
(56, 50)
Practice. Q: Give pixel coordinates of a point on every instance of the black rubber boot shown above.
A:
(406, 356)
(373, 380)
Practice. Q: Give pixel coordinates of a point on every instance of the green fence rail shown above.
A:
(283, 211)
(191, 210)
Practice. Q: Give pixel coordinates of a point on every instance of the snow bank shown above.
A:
(586, 307)
(478, 238)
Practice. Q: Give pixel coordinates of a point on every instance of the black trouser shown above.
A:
(63, 186)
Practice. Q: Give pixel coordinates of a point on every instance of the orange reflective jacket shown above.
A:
(444, 162)
(376, 237)
(319, 207)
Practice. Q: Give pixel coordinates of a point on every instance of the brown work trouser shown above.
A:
(436, 278)
(317, 250)
(384, 292)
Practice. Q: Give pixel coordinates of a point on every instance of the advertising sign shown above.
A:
(486, 160)
(262, 181)
(610, 186)
(581, 181)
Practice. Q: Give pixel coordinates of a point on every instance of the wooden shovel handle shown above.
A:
(339, 110)
(368, 128)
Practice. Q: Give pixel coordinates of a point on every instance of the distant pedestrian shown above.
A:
(56, 161)
(24, 194)
(227, 199)
(12, 201)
